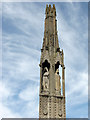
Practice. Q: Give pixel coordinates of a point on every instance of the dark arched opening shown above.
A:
(45, 74)
(46, 64)
(57, 66)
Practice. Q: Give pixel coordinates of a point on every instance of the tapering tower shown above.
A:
(51, 99)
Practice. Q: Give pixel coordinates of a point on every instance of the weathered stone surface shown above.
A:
(51, 101)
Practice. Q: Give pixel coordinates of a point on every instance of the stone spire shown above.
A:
(51, 102)
(50, 31)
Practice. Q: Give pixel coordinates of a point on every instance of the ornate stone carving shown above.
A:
(45, 107)
(57, 78)
(60, 108)
(46, 79)
(51, 105)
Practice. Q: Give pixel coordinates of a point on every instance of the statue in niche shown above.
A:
(46, 79)
(57, 78)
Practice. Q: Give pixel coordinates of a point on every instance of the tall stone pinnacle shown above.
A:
(51, 101)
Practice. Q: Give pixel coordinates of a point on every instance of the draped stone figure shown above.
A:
(46, 79)
(57, 78)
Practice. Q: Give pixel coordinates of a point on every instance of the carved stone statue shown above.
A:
(57, 78)
(46, 79)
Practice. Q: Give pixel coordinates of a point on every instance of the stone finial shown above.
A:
(62, 51)
(54, 6)
(46, 5)
(49, 7)
(46, 8)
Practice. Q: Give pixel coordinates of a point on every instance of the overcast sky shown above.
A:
(22, 37)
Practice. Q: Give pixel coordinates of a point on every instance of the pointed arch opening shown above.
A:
(46, 64)
(58, 77)
(45, 76)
